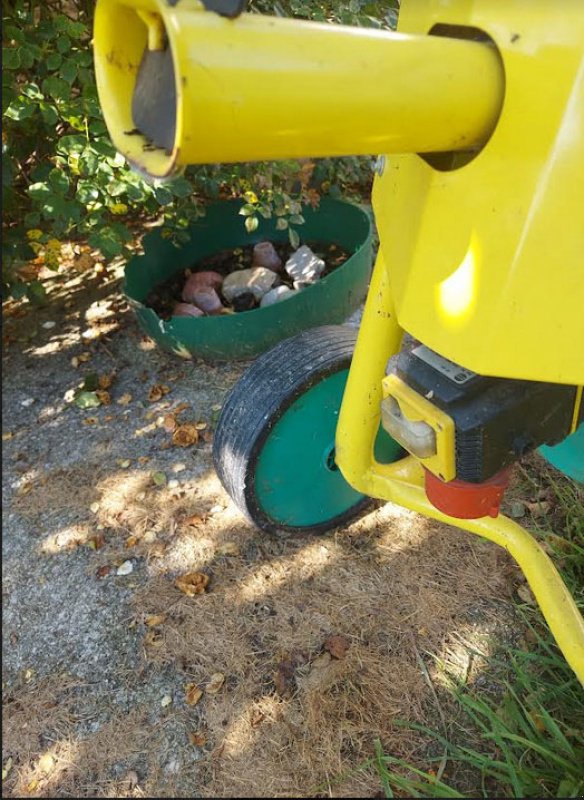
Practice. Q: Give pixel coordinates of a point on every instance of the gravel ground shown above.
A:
(91, 500)
(59, 618)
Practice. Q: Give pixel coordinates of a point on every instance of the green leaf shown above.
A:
(247, 210)
(28, 54)
(69, 71)
(90, 382)
(87, 400)
(296, 219)
(32, 220)
(56, 87)
(49, 113)
(162, 195)
(251, 223)
(281, 224)
(88, 162)
(58, 181)
(32, 90)
(39, 191)
(116, 188)
(87, 192)
(294, 238)
(71, 144)
(10, 58)
(180, 187)
(63, 44)
(36, 293)
(106, 241)
(101, 146)
(20, 109)
(53, 61)
(159, 478)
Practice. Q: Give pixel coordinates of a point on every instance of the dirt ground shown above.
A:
(319, 644)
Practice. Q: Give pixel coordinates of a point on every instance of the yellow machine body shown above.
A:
(487, 260)
(482, 238)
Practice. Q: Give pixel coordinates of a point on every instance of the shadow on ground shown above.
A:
(101, 648)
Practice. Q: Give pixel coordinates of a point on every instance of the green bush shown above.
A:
(63, 179)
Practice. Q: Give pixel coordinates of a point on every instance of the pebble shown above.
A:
(49, 324)
(125, 569)
(304, 267)
(265, 255)
(172, 484)
(200, 281)
(277, 294)
(257, 281)
(186, 310)
(28, 402)
(208, 301)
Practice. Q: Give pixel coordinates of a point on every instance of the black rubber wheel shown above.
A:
(274, 443)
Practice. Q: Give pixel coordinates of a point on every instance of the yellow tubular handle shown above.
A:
(269, 88)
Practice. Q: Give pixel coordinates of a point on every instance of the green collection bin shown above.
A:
(246, 334)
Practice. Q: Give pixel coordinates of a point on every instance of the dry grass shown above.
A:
(287, 720)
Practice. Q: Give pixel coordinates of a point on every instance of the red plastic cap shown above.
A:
(468, 500)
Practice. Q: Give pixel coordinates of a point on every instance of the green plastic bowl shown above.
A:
(248, 333)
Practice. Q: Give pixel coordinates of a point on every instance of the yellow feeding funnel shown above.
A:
(181, 85)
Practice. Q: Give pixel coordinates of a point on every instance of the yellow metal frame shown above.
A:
(403, 483)
(482, 254)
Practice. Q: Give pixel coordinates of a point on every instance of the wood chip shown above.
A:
(192, 694)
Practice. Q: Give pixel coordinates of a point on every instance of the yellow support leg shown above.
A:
(403, 482)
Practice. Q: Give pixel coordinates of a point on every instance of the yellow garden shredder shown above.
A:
(477, 107)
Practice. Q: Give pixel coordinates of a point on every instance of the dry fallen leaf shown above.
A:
(124, 463)
(6, 768)
(96, 542)
(193, 521)
(166, 701)
(228, 549)
(198, 739)
(125, 399)
(85, 356)
(337, 646)
(185, 435)
(192, 583)
(143, 459)
(6, 436)
(157, 392)
(193, 694)
(154, 619)
(200, 426)
(132, 541)
(153, 638)
(181, 407)
(169, 423)
(103, 397)
(256, 717)
(215, 683)
(101, 572)
(46, 763)
(32, 786)
(105, 381)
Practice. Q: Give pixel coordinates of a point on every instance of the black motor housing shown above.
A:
(497, 420)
